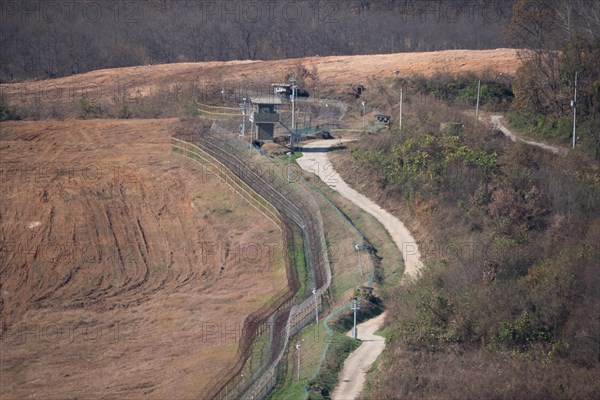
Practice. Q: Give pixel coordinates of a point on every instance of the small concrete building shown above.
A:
(265, 116)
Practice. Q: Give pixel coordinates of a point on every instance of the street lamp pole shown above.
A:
(401, 108)
(397, 72)
(354, 307)
(244, 110)
(289, 154)
(298, 352)
(314, 291)
(363, 115)
(293, 98)
(478, 94)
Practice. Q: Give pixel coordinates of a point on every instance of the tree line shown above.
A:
(51, 38)
(559, 38)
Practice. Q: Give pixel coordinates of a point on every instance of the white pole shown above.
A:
(295, 116)
(298, 352)
(251, 134)
(289, 154)
(293, 80)
(575, 113)
(244, 118)
(477, 107)
(397, 72)
(363, 116)
(355, 308)
(316, 305)
(400, 108)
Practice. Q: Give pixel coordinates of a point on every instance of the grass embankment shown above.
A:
(298, 258)
(323, 350)
(313, 342)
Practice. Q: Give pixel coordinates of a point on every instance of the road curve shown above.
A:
(315, 160)
(352, 377)
(497, 123)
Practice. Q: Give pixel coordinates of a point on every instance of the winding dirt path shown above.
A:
(315, 160)
(352, 377)
(497, 123)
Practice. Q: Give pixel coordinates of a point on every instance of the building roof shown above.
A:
(266, 100)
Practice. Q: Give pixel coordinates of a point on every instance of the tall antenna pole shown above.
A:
(574, 105)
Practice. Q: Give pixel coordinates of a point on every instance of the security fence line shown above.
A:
(256, 200)
(256, 324)
(295, 202)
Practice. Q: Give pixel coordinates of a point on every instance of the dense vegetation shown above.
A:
(512, 262)
(509, 301)
(561, 38)
(508, 304)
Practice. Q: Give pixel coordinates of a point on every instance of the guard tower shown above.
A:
(264, 116)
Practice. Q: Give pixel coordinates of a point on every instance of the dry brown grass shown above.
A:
(478, 375)
(108, 286)
(454, 316)
(213, 76)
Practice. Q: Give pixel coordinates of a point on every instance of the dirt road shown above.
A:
(315, 160)
(497, 123)
(352, 377)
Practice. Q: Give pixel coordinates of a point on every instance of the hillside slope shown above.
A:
(215, 76)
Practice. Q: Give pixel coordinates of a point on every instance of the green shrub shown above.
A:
(10, 113)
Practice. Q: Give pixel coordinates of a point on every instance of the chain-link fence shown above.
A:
(292, 198)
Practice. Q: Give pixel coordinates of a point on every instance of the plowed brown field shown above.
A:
(126, 271)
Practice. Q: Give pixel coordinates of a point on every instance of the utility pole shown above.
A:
(314, 292)
(244, 110)
(477, 107)
(400, 107)
(354, 307)
(363, 116)
(574, 105)
(251, 132)
(293, 98)
(289, 154)
(298, 352)
(397, 72)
